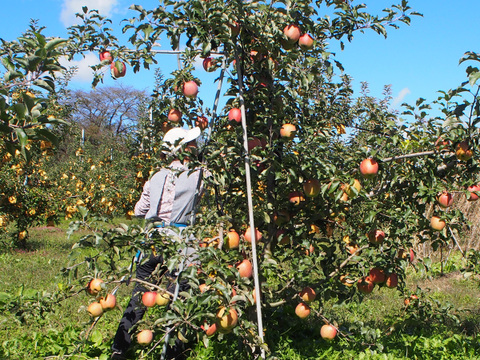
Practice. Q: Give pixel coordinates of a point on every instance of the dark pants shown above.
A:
(135, 311)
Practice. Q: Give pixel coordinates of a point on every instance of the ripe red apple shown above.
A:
(174, 115)
(302, 310)
(106, 56)
(234, 28)
(245, 268)
(392, 280)
(412, 298)
(201, 122)
(308, 294)
(190, 89)
(118, 69)
(376, 236)
(253, 143)
(94, 286)
(328, 332)
(95, 309)
(208, 64)
(445, 199)
(209, 329)
(365, 285)
(108, 302)
(369, 168)
(473, 189)
(226, 320)
(148, 298)
(305, 41)
(377, 276)
(292, 32)
(311, 187)
(288, 131)
(436, 223)
(235, 114)
(248, 235)
(145, 337)
(232, 240)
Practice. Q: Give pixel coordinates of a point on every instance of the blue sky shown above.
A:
(416, 60)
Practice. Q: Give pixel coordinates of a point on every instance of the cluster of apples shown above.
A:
(376, 276)
(118, 68)
(294, 35)
(102, 304)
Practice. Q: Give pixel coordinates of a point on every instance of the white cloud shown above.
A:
(84, 72)
(401, 95)
(71, 7)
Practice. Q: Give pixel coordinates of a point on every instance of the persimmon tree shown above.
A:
(325, 223)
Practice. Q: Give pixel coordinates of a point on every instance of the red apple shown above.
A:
(226, 320)
(302, 310)
(108, 302)
(392, 280)
(209, 329)
(365, 285)
(245, 268)
(145, 337)
(328, 332)
(292, 32)
(235, 114)
(234, 28)
(174, 115)
(254, 143)
(307, 294)
(445, 199)
(148, 298)
(473, 189)
(94, 286)
(463, 151)
(232, 240)
(106, 56)
(201, 122)
(95, 309)
(288, 131)
(437, 223)
(248, 235)
(208, 64)
(369, 168)
(118, 69)
(376, 236)
(305, 41)
(190, 89)
(377, 276)
(296, 197)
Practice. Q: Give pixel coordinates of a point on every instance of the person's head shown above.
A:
(177, 138)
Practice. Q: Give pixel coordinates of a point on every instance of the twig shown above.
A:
(456, 241)
(343, 264)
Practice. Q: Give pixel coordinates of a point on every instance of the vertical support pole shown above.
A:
(250, 202)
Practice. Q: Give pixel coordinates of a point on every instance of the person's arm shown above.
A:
(143, 205)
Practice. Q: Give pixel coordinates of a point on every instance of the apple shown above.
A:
(410, 299)
(281, 217)
(365, 285)
(233, 240)
(174, 115)
(445, 199)
(148, 298)
(245, 268)
(95, 309)
(203, 288)
(296, 197)
(436, 223)
(328, 332)
(346, 281)
(94, 286)
(403, 254)
(234, 28)
(369, 168)
(162, 299)
(226, 320)
(311, 187)
(145, 337)
(376, 236)
(190, 89)
(209, 329)
(302, 310)
(235, 114)
(305, 41)
(283, 237)
(473, 189)
(307, 294)
(392, 280)
(118, 69)
(106, 56)
(108, 302)
(253, 143)
(377, 276)
(201, 122)
(292, 33)
(288, 131)
(347, 188)
(248, 235)
(208, 64)
(462, 151)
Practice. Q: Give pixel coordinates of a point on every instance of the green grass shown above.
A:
(379, 327)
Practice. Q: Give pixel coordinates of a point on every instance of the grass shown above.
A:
(379, 327)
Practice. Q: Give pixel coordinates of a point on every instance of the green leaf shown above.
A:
(52, 44)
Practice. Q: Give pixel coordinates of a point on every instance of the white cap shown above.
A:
(176, 137)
